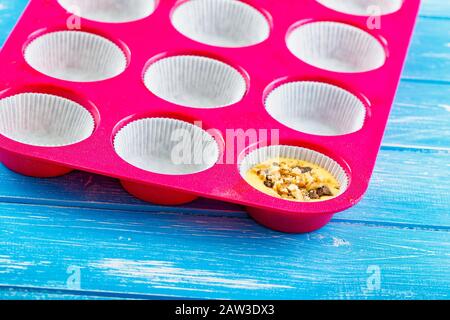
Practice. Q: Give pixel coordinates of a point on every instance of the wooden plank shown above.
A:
(9, 14)
(19, 293)
(408, 187)
(391, 197)
(429, 55)
(80, 189)
(173, 254)
(420, 116)
(435, 8)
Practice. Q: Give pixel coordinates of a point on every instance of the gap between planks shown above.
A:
(239, 214)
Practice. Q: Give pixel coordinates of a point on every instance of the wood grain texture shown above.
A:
(10, 11)
(128, 249)
(420, 116)
(435, 8)
(19, 293)
(120, 251)
(429, 55)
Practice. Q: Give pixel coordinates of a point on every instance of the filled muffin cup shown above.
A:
(75, 56)
(293, 222)
(222, 23)
(168, 147)
(336, 46)
(316, 108)
(42, 120)
(363, 7)
(112, 11)
(264, 154)
(195, 81)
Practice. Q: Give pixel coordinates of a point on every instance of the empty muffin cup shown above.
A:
(42, 120)
(222, 23)
(113, 11)
(363, 7)
(337, 47)
(316, 108)
(195, 81)
(75, 56)
(291, 222)
(165, 146)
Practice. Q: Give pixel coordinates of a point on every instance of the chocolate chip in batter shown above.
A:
(304, 169)
(324, 191)
(313, 194)
(269, 184)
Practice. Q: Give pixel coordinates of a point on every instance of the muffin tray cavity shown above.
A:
(179, 99)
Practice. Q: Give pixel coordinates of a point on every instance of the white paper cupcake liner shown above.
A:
(222, 23)
(75, 56)
(336, 47)
(195, 81)
(44, 120)
(316, 108)
(166, 146)
(363, 7)
(282, 151)
(113, 11)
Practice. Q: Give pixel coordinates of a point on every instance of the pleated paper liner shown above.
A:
(336, 46)
(195, 81)
(316, 108)
(222, 23)
(363, 7)
(167, 147)
(42, 120)
(76, 56)
(112, 11)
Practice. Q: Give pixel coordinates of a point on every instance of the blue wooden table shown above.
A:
(81, 236)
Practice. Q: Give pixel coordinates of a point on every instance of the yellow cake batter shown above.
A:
(294, 180)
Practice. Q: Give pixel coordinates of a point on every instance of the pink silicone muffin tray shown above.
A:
(106, 92)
